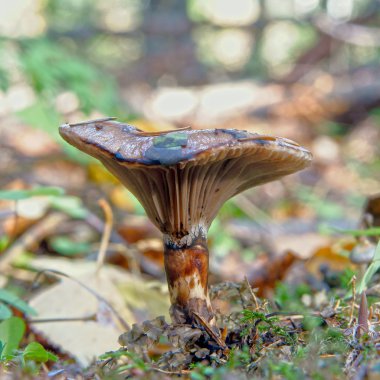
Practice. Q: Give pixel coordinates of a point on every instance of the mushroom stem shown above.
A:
(187, 274)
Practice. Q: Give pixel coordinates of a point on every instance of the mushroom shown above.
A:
(182, 178)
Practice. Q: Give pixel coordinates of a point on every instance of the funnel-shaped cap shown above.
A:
(183, 177)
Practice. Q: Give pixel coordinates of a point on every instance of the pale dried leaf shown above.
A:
(68, 299)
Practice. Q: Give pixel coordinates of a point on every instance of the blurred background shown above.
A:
(307, 70)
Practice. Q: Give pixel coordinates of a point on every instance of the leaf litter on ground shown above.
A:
(132, 298)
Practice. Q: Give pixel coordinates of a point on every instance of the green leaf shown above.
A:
(15, 301)
(371, 270)
(4, 241)
(374, 231)
(14, 195)
(70, 205)
(5, 311)
(68, 247)
(11, 332)
(36, 352)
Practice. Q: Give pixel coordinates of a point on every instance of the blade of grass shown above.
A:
(373, 231)
(15, 195)
(371, 270)
(13, 300)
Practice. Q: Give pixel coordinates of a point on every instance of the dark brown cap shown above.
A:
(183, 177)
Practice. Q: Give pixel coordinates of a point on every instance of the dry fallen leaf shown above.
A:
(85, 340)
(331, 257)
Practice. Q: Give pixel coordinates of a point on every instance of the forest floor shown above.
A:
(295, 291)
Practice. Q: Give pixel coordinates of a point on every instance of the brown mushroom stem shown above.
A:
(187, 274)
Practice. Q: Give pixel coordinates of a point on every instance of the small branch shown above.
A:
(91, 317)
(159, 133)
(209, 330)
(172, 373)
(108, 216)
(257, 306)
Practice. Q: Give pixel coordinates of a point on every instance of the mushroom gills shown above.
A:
(182, 178)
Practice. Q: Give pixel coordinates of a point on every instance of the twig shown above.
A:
(133, 262)
(176, 373)
(257, 306)
(107, 361)
(264, 350)
(159, 133)
(294, 316)
(148, 266)
(370, 315)
(209, 330)
(45, 368)
(91, 317)
(104, 119)
(275, 343)
(108, 216)
(288, 314)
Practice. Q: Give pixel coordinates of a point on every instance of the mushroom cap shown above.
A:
(183, 177)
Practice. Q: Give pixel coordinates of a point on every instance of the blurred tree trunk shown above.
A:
(169, 50)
